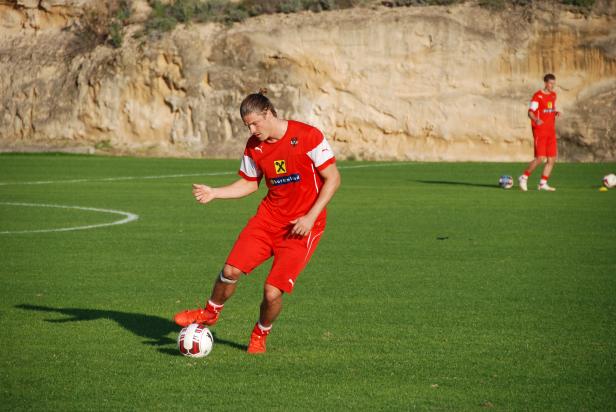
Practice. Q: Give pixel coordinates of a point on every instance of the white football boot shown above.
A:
(546, 187)
(523, 181)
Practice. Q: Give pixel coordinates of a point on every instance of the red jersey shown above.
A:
(543, 107)
(290, 166)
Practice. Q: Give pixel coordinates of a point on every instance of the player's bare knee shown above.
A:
(230, 273)
(271, 294)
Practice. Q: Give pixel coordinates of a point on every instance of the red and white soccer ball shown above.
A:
(195, 341)
(609, 181)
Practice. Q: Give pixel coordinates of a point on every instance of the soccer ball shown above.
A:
(609, 181)
(506, 182)
(195, 341)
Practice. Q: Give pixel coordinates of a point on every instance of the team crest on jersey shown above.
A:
(294, 141)
(280, 166)
(549, 105)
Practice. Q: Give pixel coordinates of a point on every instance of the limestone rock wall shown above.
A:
(419, 83)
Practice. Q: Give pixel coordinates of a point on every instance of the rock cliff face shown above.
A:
(418, 83)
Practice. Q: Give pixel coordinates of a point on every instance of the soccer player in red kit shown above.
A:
(542, 113)
(299, 168)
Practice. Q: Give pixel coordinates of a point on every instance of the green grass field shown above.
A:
(432, 289)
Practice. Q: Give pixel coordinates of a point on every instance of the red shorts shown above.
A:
(260, 240)
(545, 144)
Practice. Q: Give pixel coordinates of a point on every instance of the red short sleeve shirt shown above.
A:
(290, 167)
(544, 107)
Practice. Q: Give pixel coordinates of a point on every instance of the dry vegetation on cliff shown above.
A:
(166, 15)
(104, 22)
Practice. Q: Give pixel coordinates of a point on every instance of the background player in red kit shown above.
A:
(299, 168)
(542, 113)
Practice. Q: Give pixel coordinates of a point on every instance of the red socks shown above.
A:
(544, 178)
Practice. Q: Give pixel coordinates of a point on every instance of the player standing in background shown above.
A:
(301, 175)
(542, 113)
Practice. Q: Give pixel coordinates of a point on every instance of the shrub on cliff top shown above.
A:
(582, 4)
(579, 5)
(407, 3)
(492, 4)
(104, 22)
(165, 16)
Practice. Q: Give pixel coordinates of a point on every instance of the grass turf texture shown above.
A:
(431, 289)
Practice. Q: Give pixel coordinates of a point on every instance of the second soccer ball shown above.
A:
(506, 182)
(609, 181)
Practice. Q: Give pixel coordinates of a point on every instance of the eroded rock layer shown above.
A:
(417, 83)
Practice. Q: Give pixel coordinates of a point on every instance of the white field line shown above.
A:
(114, 179)
(373, 165)
(120, 178)
(128, 217)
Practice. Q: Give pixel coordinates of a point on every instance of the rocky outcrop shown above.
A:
(21, 17)
(425, 83)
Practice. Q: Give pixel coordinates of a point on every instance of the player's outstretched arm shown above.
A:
(240, 188)
(331, 183)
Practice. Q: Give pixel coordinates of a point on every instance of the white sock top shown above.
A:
(263, 328)
(215, 305)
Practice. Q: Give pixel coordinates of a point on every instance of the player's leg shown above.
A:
(533, 165)
(225, 284)
(549, 166)
(523, 179)
(252, 247)
(547, 171)
(551, 152)
(539, 144)
(291, 255)
(271, 306)
(224, 287)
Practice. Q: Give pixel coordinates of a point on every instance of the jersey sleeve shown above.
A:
(534, 104)
(249, 169)
(321, 152)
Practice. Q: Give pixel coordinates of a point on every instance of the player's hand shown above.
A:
(302, 226)
(557, 114)
(538, 122)
(203, 193)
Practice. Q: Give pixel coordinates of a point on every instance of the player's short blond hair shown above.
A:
(257, 103)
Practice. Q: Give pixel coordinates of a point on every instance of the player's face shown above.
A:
(549, 85)
(259, 125)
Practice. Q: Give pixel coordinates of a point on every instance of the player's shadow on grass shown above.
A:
(452, 183)
(154, 328)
